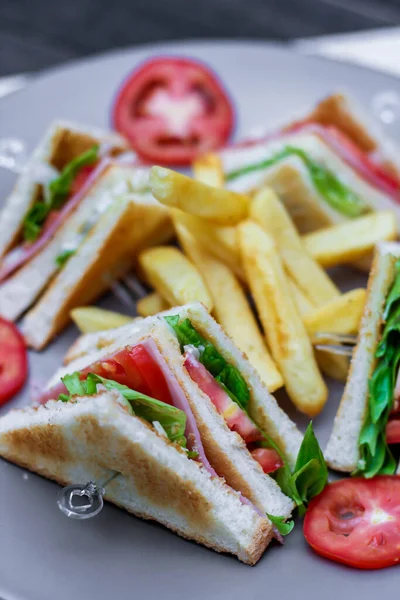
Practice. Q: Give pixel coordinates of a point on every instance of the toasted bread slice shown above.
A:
(106, 254)
(342, 452)
(62, 142)
(22, 288)
(82, 441)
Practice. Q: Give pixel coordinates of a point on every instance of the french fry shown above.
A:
(303, 304)
(221, 242)
(208, 169)
(151, 305)
(89, 319)
(231, 308)
(173, 276)
(285, 331)
(341, 315)
(271, 215)
(219, 205)
(352, 240)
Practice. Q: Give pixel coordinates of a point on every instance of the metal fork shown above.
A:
(334, 343)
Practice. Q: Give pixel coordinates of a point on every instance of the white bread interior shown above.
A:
(342, 452)
(77, 442)
(22, 288)
(26, 189)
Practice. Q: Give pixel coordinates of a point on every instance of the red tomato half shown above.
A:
(393, 432)
(268, 458)
(13, 361)
(357, 522)
(173, 109)
(135, 368)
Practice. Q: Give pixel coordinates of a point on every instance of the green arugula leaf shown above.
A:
(59, 189)
(61, 185)
(338, 195)
(62, 258)
(172, 420)
(225, 373)
(283, 527)
(375, 455)
(310, 474)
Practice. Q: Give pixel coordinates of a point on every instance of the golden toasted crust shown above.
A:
(334, 110)
(47, 450)
(133, 230)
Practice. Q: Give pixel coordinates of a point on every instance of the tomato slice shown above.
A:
(151, 374)
(235, 417)
(173, 109)
(393, 431)
(135, 368)
(13, 361)
(357, 522)
(268, 458)
(81, 178)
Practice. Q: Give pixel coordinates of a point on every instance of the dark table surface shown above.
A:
(35, 34)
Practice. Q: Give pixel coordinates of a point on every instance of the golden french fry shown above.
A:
(332, 365)
(301, 301)
(89, 319)
(231, 308)
(222, 242)
(341, 315)
(151, 305)
(285, 331)
(208, 169)
(269, 212)
(352, 240)
(218, 205)
(173, 276)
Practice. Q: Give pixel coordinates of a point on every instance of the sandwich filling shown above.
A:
(381, 427)
(253, 157)
(337, 194)
(228, 391)
(57, 200)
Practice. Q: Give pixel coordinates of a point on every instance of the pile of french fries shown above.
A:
(233, 247)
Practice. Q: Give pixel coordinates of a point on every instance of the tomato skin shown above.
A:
(393, 431)
(268, 458)
(13, 361)
(172, 109)
(357, 522)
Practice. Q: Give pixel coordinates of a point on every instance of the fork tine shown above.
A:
(337, 338)
(335, 349)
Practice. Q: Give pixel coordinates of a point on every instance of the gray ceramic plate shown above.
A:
(43, 555)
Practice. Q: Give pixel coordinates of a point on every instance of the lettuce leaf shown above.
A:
(225, 373)
(375, 455)
(172, 420)
(338, 195)
(59, 189)
(63, 257)
(284, 527)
